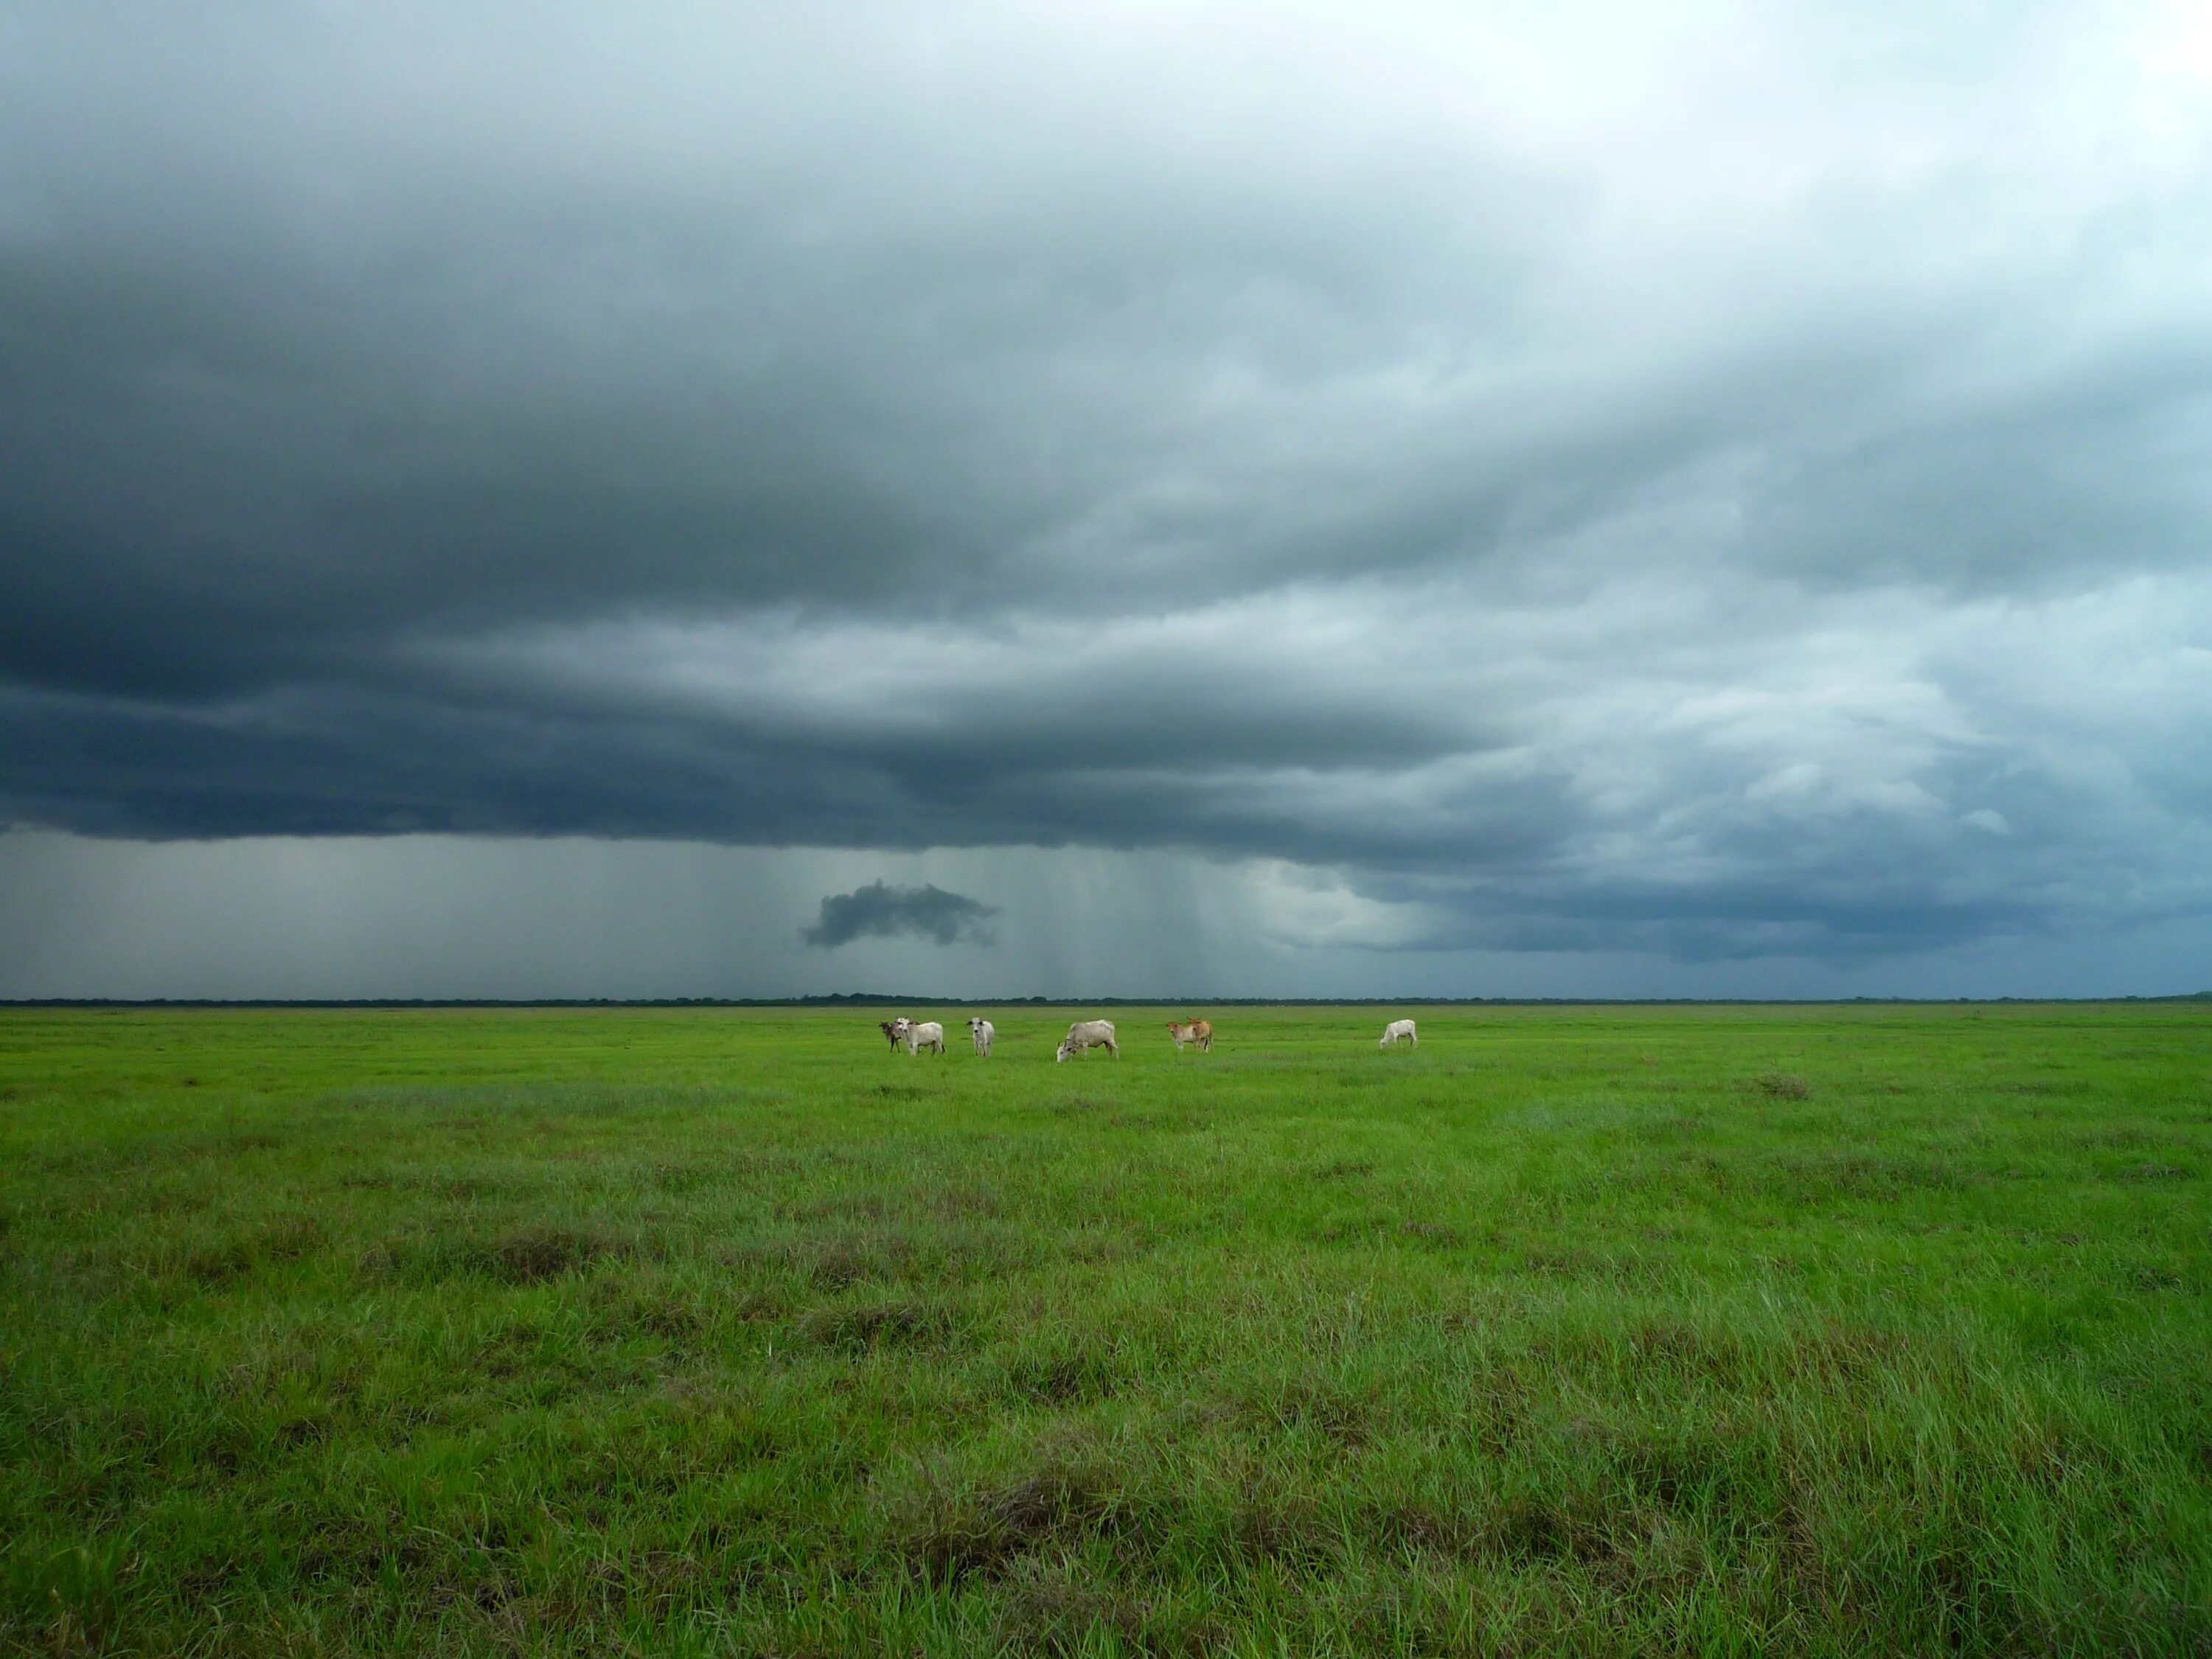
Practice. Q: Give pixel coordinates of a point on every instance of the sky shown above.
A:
(1127, 499)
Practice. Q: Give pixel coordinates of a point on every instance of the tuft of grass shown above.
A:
(870, 1326)
(532, 1256)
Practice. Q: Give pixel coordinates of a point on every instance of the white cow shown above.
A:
(981, 1032)
(1396, 1029)
(1086, 1034)
(927, 1035)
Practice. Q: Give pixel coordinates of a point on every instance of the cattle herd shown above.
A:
(1083, 1036)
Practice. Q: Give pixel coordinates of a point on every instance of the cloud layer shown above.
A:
(1727, 486)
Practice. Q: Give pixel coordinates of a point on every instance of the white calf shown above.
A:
(982, 1031)
(927, 1035)
(1086, 1034)
(1396, 1029)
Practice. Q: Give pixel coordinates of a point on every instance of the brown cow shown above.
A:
(1195, 1030)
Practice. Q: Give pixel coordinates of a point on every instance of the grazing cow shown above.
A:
(1195, 1030)
(929, 1034)
(894, 1030)
(981, 1032)
(1396, 1029)
(1087, 1034)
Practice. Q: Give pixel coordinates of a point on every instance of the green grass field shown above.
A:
(1615, 1330)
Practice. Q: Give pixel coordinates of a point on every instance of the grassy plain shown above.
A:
(1603, 1330)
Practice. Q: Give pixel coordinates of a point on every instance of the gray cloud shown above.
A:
(1675, 497)
(878, 911)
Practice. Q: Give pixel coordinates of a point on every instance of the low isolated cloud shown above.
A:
(878, 911)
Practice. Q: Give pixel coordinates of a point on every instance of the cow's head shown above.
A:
(973, 1024)
(1066, 1047)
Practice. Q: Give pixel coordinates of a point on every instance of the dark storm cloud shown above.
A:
(877, 911)
(1407, 441)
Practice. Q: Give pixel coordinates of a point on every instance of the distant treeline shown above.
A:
(872, 1000)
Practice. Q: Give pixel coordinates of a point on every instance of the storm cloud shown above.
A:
(878, 911)
(1725, 486)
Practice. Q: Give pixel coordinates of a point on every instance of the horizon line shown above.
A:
(873, 998)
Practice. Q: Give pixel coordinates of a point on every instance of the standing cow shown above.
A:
(929, 1034)
(1397, 1028)
(1199, 1031)
(893, 1031)
(1087, 1034)
(980, 1031)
